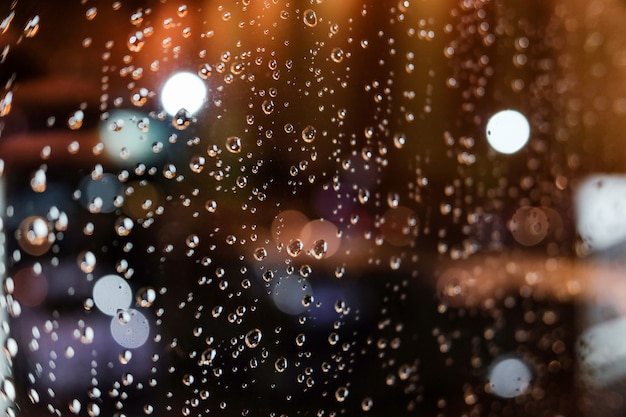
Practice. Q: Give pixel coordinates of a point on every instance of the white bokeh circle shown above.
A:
(133, 331)
(183, 90)
(508, 131)
(112, 293)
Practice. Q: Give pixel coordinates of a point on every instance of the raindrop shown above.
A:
(123, 316)
(139, 96)
(233, 144)
(319, 249)
(136, 18)
(86, 261)
(8, 389)
(93, 410)
(281, 364)
(205, 71)
(38, 181)
(253, 338)
(367, 404)
(395, 262)
(169, 171)
(260, 254)
(399, 140)
(34, 235)
(307, 300)
(363, 195)
(182, 119)
(125, 356)
(75, 121)
(211, 206)
(146, 297)
(310, 18)
(75, 406)
(308, 134)
(341, 394)
(295, 247)
(123, 226)
(32, 27)
(188, 379)
(196, 164)
(182, 10)
(135, 41)
(91, 13)
(268, 106)
(207, 357)
(337, 55)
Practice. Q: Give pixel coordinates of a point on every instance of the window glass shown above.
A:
(312, 207)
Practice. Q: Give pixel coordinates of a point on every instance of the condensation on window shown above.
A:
(312, 208)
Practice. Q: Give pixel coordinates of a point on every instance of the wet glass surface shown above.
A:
(317, 208)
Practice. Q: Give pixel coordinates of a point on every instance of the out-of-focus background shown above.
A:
(320, 208)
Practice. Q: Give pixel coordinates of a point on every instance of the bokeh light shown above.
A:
(112, 293)
(509, 377)
(183, 90)
(508, 131)
(130, 328)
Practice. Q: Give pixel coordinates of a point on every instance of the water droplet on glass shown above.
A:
(75, 121)
(341, 394)
(91, 13)
(337, 54)
(319, 249)
(182, 10)
(38, 181)
(34, 235)
(146, 297)
(196, 164)
(253, 338)
(308, 134)
(233, 144)
(395, 262)
(309, 17)
(295, 247)
(139, 96)
(32, 27)
(260, 254)
(207, 357)
(367, 404)
(205, 71)
(125, 356)
(211, 206)
(268, 106)
(169, 171)
(399, 140)
(281, 364)
(87, 261)
(188, 379)
(123, 316)
(181, 119)
(135, 41)
(123, 226)
(363, 195)
(75, 406)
